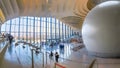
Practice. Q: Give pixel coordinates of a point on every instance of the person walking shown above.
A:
(56, 56)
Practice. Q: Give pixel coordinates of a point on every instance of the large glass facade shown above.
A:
(37, 29)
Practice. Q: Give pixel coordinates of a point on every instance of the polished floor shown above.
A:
(22, 56)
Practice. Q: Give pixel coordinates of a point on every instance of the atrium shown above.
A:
(59, 34)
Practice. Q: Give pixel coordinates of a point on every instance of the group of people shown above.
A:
(9, 37)
(61, 46)
(56, 56)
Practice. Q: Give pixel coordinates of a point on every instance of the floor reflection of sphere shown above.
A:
(101, 30)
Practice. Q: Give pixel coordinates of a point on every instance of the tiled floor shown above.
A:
(19, 57)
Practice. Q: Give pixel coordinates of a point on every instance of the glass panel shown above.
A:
(26, 28)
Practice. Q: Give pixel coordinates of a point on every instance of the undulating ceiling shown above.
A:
(71, 12)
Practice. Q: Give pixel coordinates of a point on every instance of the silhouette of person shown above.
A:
(51, 55)
(56, 56)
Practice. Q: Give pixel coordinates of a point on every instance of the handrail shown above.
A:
(92, 63)
(57, 64)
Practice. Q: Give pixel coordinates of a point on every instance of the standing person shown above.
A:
(51, 45)
(51, 55)
(56, 56)
(10, 38)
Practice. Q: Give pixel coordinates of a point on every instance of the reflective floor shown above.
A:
(22, 56)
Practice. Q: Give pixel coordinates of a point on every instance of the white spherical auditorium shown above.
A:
(101, 30)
